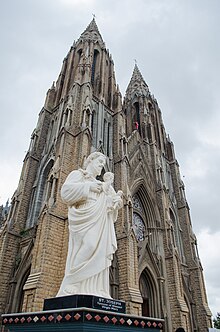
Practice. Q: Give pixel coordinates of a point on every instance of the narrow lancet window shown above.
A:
(94, 65)
(108, 140)
(136, 118)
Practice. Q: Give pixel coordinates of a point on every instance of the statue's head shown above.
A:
(95, 163)
(108, 177)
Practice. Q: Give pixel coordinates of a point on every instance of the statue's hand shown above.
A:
(96, 187)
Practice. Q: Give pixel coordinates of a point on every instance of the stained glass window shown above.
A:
(138, 226)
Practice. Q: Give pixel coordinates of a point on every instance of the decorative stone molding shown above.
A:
(32, 281)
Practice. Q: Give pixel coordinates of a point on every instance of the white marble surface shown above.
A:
(92, 211)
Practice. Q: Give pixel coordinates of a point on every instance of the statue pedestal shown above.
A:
(78, 320)
(80, 313)
(84, 301)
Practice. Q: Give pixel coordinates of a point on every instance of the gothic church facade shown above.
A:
(156, 268)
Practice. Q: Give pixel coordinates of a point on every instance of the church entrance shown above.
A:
(148, 293)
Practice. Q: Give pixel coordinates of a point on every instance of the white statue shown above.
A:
(92, 211)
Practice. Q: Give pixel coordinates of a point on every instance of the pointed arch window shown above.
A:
(174, 232)
(87, 117)
(136, 117)
(94, 128)
(108, 140)
(109, 94)
(104, 134)
(94, 65)
(39, 195)
(149, 133)
(93, 123)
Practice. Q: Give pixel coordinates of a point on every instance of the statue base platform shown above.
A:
(78, 320)
(84, 301)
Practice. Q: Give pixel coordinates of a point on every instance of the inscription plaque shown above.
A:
(109, 304)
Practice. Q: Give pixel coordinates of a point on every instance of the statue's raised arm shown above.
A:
(92, 241)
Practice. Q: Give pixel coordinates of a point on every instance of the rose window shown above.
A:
(138, 227)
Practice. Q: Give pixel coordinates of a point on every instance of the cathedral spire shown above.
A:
(137, 84)
(136, 73)
(91, 33)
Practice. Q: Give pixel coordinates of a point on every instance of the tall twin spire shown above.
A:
(137, 82)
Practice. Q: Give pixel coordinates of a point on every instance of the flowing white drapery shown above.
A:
(92, 240)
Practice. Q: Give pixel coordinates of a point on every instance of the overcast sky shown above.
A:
(177, 47)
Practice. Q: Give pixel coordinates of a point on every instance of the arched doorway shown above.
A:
(149, 295)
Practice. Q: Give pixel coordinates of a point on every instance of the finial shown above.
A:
(94, 16)
(135, 61)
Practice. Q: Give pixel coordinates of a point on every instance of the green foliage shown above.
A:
(217, 321)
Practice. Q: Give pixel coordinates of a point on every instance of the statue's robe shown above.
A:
(92, 240)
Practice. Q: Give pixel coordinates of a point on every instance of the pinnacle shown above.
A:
(92, 32)
(137, 76)
(53, 86)
(92, 26)
(137, 83)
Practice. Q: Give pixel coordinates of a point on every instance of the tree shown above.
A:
(217, 321)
